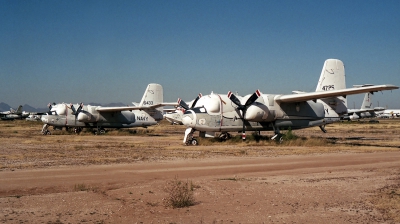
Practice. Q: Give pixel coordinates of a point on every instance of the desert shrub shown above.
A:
(180, 193)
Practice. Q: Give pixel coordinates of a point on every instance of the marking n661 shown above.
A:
(328, 87)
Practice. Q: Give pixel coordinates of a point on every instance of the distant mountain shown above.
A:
(28, 108)
(4, 107)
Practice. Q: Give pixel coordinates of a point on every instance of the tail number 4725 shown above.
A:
(328, 87)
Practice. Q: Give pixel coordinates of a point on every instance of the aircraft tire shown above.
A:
(102, 131)
(194, 142)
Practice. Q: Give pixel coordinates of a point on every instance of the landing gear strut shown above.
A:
(278, 136)
(45, 130)
(188, 139)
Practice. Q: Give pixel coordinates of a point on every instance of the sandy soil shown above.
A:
(56, 180)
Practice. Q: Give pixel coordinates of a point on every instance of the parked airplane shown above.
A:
(14, 114)
(366, 110)
(257, 112)
(147, 113)
(175, 117)
(389, 113)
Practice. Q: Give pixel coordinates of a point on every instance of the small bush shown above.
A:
(180, 194)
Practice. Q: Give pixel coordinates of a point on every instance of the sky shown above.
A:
(108, 51)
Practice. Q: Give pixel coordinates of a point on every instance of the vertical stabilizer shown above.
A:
(152, 96)
(367, 102)
(19, 110)
(333, 78)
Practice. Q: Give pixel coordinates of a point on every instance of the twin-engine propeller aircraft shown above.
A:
(147, 113)
(175, 117)
(259, 112)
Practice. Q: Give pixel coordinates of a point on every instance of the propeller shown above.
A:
(76, 112)
(244, 107)
(185, 106)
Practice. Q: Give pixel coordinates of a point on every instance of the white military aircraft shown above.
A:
(258, 112)
(147, 113)
(175, 116)
(366, 110)
(389, 113)
(14, 114)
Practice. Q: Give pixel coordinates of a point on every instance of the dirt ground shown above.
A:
(349, 175)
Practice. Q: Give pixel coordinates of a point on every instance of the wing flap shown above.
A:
(301, 97)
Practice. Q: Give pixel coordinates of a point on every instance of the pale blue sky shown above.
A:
(108, 51)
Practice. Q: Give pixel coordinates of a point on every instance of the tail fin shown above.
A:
(367, 103)
(19, 110)
(333, 78)
(152, 96)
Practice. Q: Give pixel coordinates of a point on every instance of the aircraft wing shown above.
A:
(351, 111)
(116, 109)
(301, 97)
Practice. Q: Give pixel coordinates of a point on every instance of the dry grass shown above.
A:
(23, 146)
(180, 193)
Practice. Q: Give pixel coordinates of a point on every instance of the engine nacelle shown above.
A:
(85, 117)
(61, 109)
(354, 117)
(258, 112)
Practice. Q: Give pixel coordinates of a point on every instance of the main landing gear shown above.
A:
(99, 131)
(189, 139)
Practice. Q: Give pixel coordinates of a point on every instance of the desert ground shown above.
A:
(349, 175)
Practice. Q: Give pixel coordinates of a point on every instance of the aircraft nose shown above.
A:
(44, 118)
(189, 119)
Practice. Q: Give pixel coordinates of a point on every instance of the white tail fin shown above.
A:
(19, 110)
(152, 96)
(333, 78)
(367, 102)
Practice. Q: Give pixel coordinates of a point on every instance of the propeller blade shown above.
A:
(195, 100)
(253, 98)
(235, 100)
(79, 108)
(72, 108)
(183, 104)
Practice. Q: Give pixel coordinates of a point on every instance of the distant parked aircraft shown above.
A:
(14, 114)
(366, 110)
(147, 113)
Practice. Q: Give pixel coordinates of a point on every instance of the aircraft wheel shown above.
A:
(47, 132)
(225, 136)
(194, 142)
(102, 131)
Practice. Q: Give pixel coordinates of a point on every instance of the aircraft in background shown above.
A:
(14, 114)
(389, 113)
(259, 112)
(366, 110)
(147, 113)
(175, 116)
